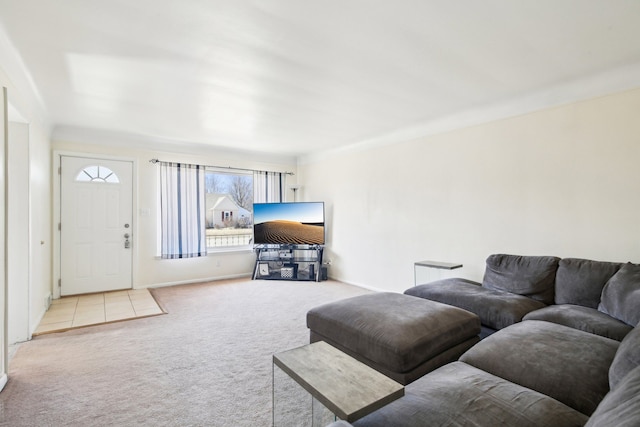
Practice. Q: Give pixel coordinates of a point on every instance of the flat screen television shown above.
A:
(297, 223)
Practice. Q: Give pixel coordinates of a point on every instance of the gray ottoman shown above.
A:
(402, 336)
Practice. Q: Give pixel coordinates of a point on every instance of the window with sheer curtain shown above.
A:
(209, 209)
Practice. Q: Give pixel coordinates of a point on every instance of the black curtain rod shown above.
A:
(154, 161)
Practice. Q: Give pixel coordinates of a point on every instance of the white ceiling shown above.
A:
(297, 77)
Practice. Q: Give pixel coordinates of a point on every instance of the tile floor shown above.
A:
(84, 310)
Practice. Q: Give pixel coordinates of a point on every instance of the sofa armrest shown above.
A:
(583, 318)
(450, 281)
(496, 309)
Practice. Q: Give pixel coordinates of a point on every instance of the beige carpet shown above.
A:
(206, 363)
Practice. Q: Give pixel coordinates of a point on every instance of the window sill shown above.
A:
(230, 249)
(219, 251)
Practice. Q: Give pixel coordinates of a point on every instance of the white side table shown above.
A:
(432, 265)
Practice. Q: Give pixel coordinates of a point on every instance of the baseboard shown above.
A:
(360, 285)
(192, 281)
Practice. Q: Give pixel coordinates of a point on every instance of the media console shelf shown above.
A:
(288, 262)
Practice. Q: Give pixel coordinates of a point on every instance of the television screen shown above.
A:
(299, 223)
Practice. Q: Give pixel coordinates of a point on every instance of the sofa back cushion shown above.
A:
(626, 359)
(621, 295)
(580, 281)
(530, 276)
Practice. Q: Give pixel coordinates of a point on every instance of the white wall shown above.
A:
(36, 204)
(40, 228)
(148, 269)
(29, 217)
(30, 280)
(18, 232)
(563, 181)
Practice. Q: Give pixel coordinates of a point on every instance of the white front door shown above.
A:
(96, 233)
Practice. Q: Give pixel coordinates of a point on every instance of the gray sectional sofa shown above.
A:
(531, 374)
(594, 296)
(561, 347)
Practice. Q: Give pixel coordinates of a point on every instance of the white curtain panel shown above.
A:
(182, 205)
(268, 187)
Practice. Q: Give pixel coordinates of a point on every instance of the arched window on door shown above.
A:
(98, 174)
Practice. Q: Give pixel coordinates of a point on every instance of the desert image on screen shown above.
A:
(289, 223)
(289, 232)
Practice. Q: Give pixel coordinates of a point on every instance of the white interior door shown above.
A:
(96, 231)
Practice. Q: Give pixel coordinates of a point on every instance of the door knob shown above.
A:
(126, 235)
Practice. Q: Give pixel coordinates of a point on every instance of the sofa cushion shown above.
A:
(583, 318)
(394, 330)
(530, 276)
(553, 359)
(627, 357)
(580, 281)
(621, 295)
(496, 309)
(461, 395)
(621, 407)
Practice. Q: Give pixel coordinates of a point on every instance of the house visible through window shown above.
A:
(229, 205)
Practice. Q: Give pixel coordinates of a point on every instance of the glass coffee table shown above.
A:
(344, 386)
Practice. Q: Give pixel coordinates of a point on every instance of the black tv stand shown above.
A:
(288, 262)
